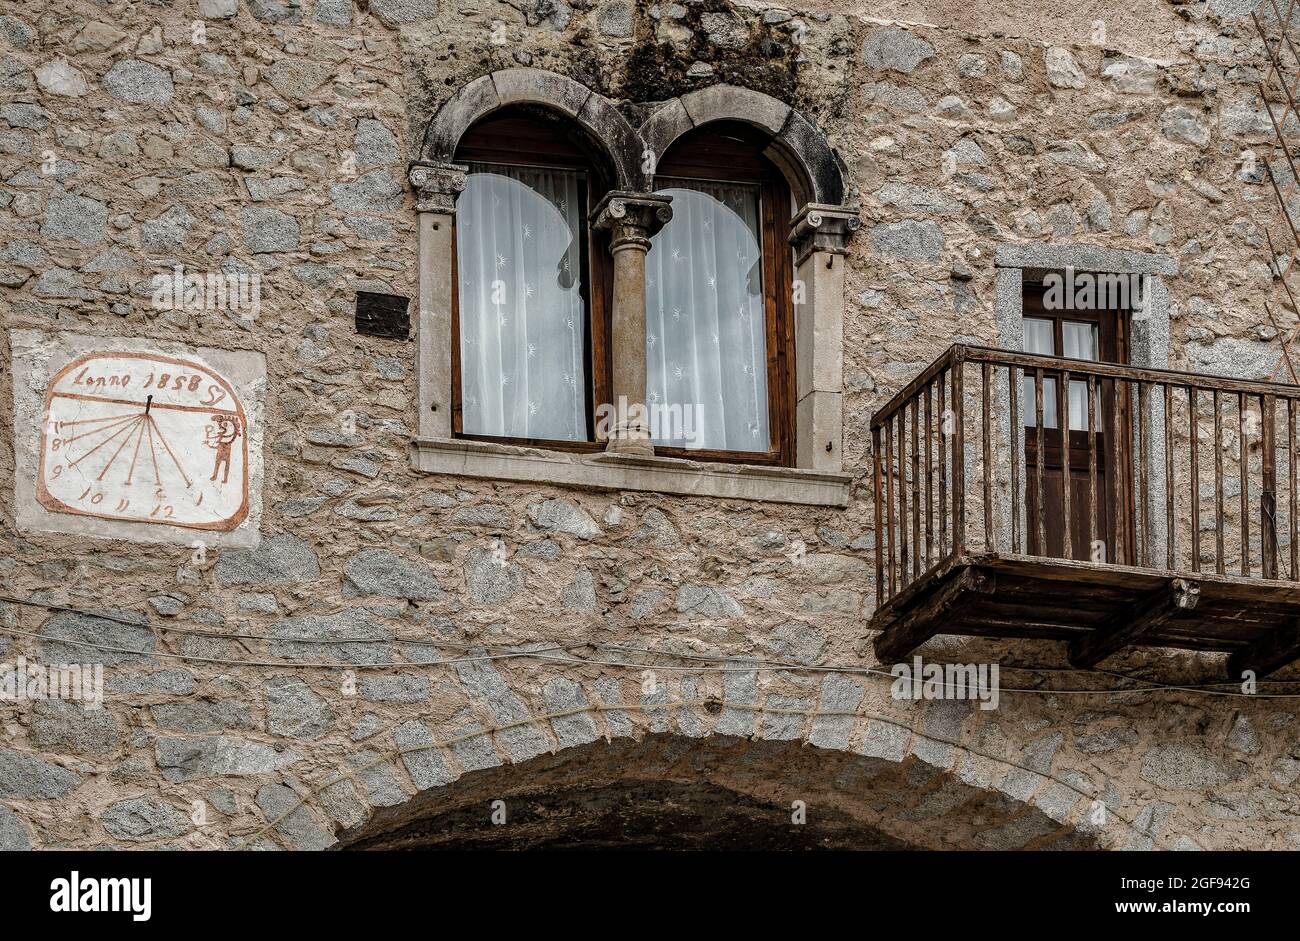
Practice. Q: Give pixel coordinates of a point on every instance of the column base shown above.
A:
(630, 441)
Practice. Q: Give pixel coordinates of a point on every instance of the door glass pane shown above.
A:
(519, 234)
(706, 329)
(1081, 341)
(1040, 338)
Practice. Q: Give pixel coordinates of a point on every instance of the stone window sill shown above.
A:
(601, 471)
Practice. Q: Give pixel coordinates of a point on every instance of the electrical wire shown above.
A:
(868, 671)
(286, 664)
(1003, 667)
(750, 664)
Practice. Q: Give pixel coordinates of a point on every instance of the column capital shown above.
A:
(437, 185)
(631, 218)
(818, 227)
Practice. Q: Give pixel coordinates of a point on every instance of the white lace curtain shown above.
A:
(706, 336)
(1079, 341)
(522, 317)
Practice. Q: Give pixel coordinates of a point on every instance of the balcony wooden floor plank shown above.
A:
(1061, 600)
(1030, 608)
(1225, 586)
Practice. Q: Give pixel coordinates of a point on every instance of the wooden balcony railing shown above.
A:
(1159, 470)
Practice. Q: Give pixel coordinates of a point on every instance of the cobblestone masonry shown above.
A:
(126, 146)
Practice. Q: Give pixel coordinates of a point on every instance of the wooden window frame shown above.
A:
(728, 152)
(500, 139)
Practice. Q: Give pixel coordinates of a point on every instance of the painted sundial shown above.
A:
(144, 438)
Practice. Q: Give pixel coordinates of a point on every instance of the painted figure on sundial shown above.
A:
(221, 438)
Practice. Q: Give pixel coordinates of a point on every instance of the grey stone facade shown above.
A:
(297, 694)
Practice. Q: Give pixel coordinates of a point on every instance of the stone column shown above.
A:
(631, 218)
(820, 235)
(437, 185)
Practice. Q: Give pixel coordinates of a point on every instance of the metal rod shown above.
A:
(929, 477)
(1063, 424)
(1219, 564)
(988, 463)
(880, 530)
(1169, 477)
(1243, 465)
(1092, 469)
(944, 420)
(904, 558)
(1017, 454)
(958, 459)
(1144, 469)
(1291, 474)
(918, 562)
(1268, 489)
(889, 502)
(1038, 461)
(1193, 434)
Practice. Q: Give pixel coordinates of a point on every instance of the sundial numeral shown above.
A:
(122, 504)
(215, 395)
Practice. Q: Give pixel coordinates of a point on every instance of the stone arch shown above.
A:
(582, 745)
(592, 112)
(727, 791)
(815, 172)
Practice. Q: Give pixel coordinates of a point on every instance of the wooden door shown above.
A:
(1099, 519)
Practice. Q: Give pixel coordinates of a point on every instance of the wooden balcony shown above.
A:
(1165, 515)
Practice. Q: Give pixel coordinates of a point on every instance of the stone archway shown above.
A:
(815, 172)
(603, 123)
(586, 760)
(658, 793)
(720, 792)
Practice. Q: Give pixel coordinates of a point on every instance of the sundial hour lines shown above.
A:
(130, 431)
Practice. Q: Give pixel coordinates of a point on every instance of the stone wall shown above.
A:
(278, 145)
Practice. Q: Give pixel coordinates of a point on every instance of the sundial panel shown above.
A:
(144, 438)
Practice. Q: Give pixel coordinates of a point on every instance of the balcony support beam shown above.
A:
(1269, 654)
(915, 627)
(1122, 630)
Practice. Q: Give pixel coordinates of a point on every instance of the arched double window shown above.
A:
(531, 356)
(691, 265)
